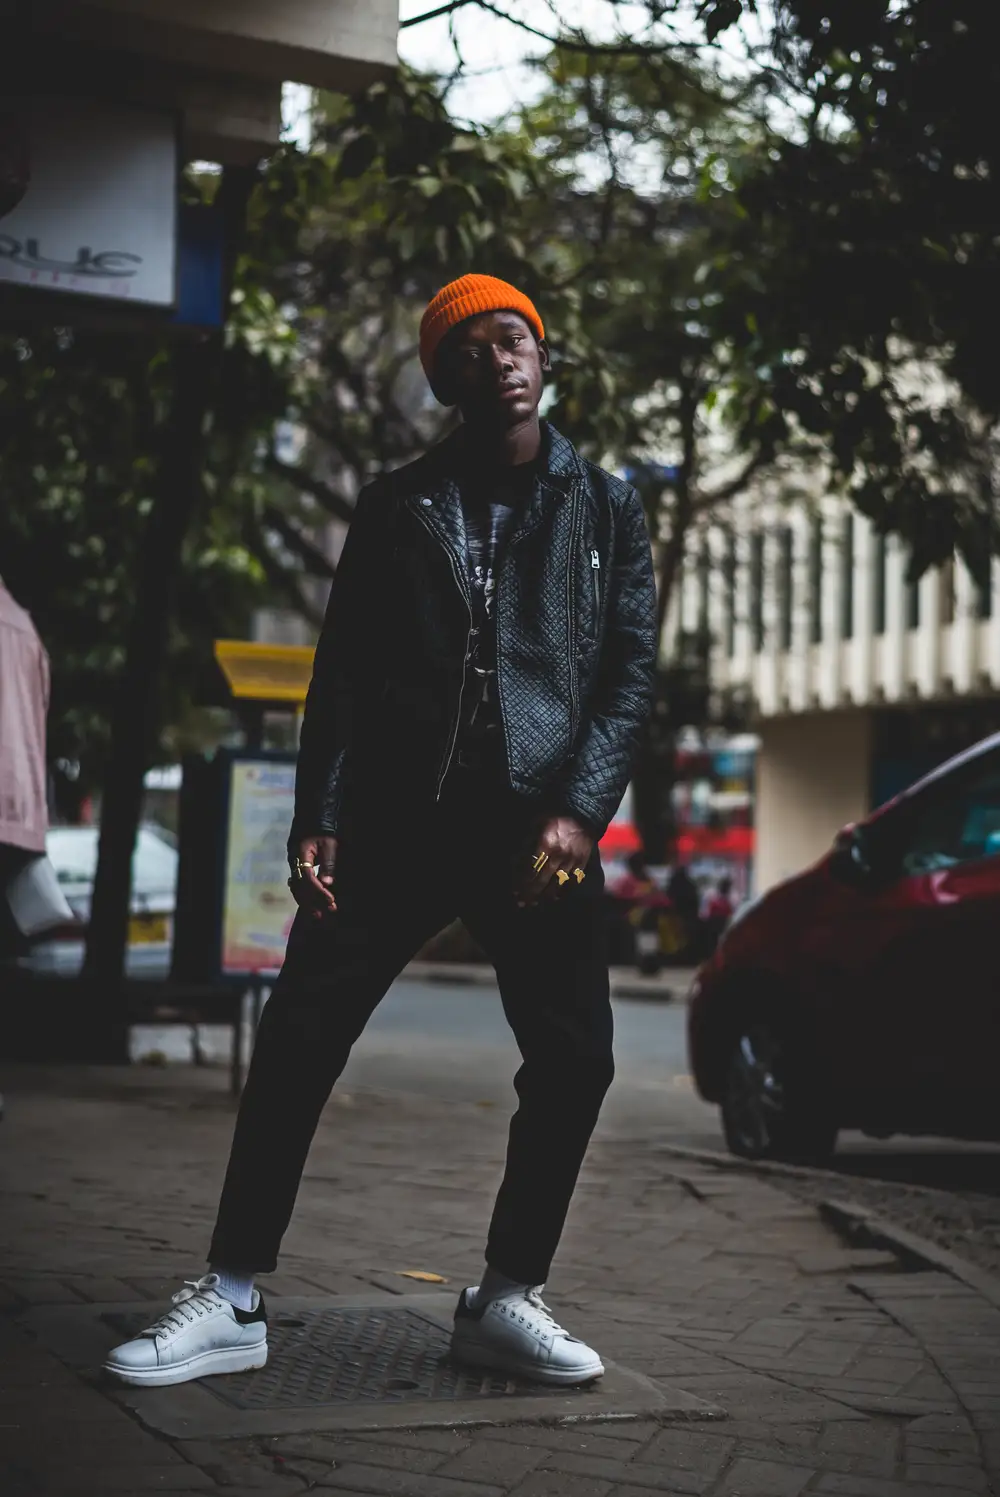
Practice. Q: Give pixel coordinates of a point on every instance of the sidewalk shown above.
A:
(809, 1366)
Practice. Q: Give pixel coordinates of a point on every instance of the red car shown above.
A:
(865, 992)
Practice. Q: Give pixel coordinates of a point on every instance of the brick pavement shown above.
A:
(839, 1373)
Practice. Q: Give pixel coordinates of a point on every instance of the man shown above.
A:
(483, 673)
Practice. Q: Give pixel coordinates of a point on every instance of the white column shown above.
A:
(926, 638)
(799, 663)
(767, 657)
(862, 647)
(989, 632)
(743, 653)
(894, 652)
(961, 659)
(828, 681)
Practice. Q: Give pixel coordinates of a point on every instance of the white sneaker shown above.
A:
(516, 1334)
(202, 1334)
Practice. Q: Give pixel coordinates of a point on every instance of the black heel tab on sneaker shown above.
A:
(251, 1317)
(465, 1311)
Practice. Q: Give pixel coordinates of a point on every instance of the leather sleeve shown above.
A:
(337, 683)
(598, 774)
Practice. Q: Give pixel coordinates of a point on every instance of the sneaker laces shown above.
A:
(545, 1318)
(190, 1303)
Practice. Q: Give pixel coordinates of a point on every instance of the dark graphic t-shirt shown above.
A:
(491, 504)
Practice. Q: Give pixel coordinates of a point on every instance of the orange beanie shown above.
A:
(470, 296)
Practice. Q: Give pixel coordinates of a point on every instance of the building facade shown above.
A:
(857, 680)
(106, 100)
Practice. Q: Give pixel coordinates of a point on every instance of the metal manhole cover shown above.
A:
(353, 1356)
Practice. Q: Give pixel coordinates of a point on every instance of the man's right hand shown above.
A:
(312, 888)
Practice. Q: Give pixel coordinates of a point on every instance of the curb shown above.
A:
(856, 1221)
(468, 974)
(721, 1161)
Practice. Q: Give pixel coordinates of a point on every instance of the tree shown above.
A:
(155, 463)
(412, 198)
(873, 327)
(869, 235)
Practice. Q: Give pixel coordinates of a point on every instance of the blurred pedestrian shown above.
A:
(718, 912)
(30, 898)
(645, 904)
(481, 680)
(685, 934)
(24, 701)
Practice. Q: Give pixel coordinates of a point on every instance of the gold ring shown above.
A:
(562, 877)
(301, 867)
(539, 863)
(579, 875)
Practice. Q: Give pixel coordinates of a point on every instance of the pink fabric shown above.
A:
(24, 701)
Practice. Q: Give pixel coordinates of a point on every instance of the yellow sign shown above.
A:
(265, 673)
(258, 908)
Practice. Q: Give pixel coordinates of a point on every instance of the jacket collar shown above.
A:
(437, 473)
(431, 487)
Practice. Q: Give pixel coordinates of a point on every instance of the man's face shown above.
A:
(491, 367)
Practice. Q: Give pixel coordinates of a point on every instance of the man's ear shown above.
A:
(544, 357)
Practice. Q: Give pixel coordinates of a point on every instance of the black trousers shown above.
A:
(399, 881)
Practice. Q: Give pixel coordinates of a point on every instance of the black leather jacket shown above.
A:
(576, 643)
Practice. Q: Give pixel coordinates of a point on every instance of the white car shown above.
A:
(72, 850)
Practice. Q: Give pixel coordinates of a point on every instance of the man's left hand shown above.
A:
(567, 847)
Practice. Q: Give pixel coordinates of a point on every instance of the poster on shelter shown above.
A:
(258, 907)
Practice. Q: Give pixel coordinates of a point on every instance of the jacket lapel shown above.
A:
(437, 499)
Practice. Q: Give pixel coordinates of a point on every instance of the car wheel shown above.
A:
(769, 1108)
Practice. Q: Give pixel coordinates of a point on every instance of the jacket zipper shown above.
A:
(595, 567)
(574, 705)
(450, 751)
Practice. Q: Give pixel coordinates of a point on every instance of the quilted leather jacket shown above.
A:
(576, 643)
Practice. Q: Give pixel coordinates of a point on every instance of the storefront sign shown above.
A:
(89, 200)
(257, 906)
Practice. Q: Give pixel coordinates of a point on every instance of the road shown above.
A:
(451, 1042)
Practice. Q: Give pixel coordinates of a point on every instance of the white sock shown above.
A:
(495, 1285)
(237, 1288)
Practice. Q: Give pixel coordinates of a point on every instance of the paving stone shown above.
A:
(862, 1486)
(443, 1441)
(692, 1453)
(559, 1484)
(629, 1489)
(743, 1300)
(43, 1291)
(325, 1451)
(844, 1260)
(118, 1477)
(752, 1478)
(950, 1478)
(575, 1438)
(864, 1442)
(489, 1460)
(383, 1482)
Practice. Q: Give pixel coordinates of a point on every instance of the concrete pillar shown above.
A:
(813, 777)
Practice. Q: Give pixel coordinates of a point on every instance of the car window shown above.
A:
(73, 853)
(955, 821)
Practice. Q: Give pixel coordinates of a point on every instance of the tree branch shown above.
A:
(432, 15)
(331, 501)
(570, 41)
(315, 561)
(735, 485)
(282, 580)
